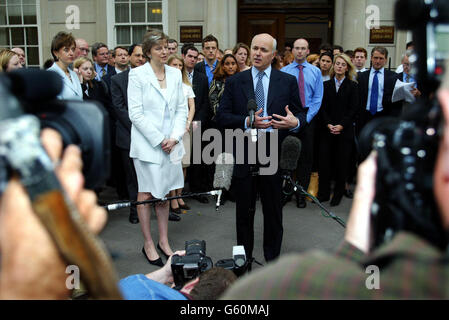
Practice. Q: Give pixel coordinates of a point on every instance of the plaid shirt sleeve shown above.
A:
(407, 268)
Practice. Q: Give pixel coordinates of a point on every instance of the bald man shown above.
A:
(279, 108)
(82, 48)
(310, 86)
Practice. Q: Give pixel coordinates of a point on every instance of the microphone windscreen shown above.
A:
(35, 85)
(224, 166)
(290, 152)
(252, 105)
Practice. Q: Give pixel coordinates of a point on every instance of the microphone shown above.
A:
(252, 108)
(224, 166)
(290, 152)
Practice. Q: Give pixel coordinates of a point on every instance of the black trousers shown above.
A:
(269, 188)
(200, 175)
(335, 153)
(305, 161)
(130, 177)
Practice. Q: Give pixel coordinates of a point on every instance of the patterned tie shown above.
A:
(190, 77)
(301, 85)
(103, 72)
(407, 78)
(260, 96)
(374, 94)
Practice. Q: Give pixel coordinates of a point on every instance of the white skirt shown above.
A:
(159, 179)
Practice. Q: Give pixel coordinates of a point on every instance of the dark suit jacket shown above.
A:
(109, 74)
(283, 90)
(389, 108)
(119, 96)
(200, 67)
(339, 107)
(201, 90)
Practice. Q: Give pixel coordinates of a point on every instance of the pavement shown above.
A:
(304, 229)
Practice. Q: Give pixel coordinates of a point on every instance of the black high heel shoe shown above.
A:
(160, 249)
(157, 262)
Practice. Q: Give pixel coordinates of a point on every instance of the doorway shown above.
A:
(287, 21)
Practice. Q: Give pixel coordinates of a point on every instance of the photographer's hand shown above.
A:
(164, 275)
(31, 266)
(358, 228)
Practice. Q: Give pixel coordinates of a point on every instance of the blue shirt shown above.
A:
(313, 86)
(209, 72)
(266, 84)
(139, 287)
(380, 78)
(410, 79)
(99, 70)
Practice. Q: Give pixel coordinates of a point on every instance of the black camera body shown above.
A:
(407, 147)
(190, 266)
(85, 124)
(195, 262)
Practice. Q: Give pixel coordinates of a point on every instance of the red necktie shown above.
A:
(301, 85)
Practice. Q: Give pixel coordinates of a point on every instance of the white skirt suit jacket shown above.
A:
(146, 107)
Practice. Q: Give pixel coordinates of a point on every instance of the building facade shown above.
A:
(31, 24)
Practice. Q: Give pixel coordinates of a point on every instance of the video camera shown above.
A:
(195, 262)
(407, 146)
(84, 124)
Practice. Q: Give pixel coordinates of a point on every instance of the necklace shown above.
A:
(162, 78)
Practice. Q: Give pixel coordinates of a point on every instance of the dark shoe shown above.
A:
(202, 199)
(184, 207)
(176, 210)
(300, 202)
(157, 262)
(133, 218)
(173, 217)
(349, 194)
(160, 249)
(336, 199)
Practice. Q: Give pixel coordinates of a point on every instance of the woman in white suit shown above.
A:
(63, 52)
(158, 112)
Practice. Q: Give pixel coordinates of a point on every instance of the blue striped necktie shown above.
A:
(260, 96)
(374, 94)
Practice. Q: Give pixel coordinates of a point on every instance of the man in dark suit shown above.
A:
(277, 97)
(198, 181)
(376, 90)
(119, 96)
(100, 55)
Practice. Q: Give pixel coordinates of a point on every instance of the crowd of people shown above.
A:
(157, 94)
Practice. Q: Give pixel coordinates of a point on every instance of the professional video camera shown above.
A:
(407, 146)
(84, 124)
(195, 262)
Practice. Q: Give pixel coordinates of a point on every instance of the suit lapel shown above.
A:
(153, 80)
(248, 85)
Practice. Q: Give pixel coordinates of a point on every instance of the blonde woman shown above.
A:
(337, 115)
(176, 61)
(158, 112)
(9, 61)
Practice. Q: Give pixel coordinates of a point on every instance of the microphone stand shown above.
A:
(297, 186)
(120, 205)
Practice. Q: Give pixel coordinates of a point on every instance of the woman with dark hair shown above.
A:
(337, 114)
(226, 68)
(158, 113)
(63, 52)
(325, 64)
(242, 54)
